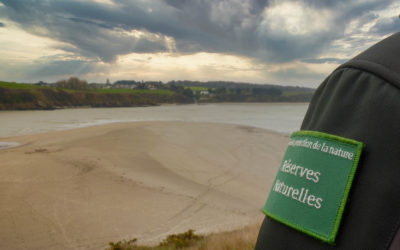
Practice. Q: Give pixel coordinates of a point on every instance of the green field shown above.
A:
(13, 85)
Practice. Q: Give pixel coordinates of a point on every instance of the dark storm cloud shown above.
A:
(286, 47)
(94, 29)
(234, 27)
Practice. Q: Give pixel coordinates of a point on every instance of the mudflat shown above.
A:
(81, 188)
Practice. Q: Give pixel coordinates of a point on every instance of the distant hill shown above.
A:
(221, 91)
(16, 96)
(128, 93)
(240, 85)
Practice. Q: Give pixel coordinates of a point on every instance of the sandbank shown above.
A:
(81, 188)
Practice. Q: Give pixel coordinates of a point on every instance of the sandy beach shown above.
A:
(81, 188)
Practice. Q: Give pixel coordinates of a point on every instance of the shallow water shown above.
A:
(280, 117)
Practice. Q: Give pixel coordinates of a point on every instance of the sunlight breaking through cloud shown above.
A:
(240, 40)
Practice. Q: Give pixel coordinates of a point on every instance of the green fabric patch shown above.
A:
(313, 182)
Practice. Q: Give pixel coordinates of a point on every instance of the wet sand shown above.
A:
(81, 188)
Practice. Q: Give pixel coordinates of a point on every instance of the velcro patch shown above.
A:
(313, 182)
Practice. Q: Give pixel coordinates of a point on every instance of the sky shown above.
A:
(258, 41)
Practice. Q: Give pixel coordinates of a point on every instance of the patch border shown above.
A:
(331, 238)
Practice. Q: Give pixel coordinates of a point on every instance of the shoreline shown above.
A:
(146, 105)
(258, 115)
(84, 187)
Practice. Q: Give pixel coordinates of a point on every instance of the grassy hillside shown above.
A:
(75, 93)
(15, 96)
(13, 85)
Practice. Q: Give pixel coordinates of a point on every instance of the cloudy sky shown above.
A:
(260, 41)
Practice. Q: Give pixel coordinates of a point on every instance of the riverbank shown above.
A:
(81, 188)
(32, 97)
(20, 96)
